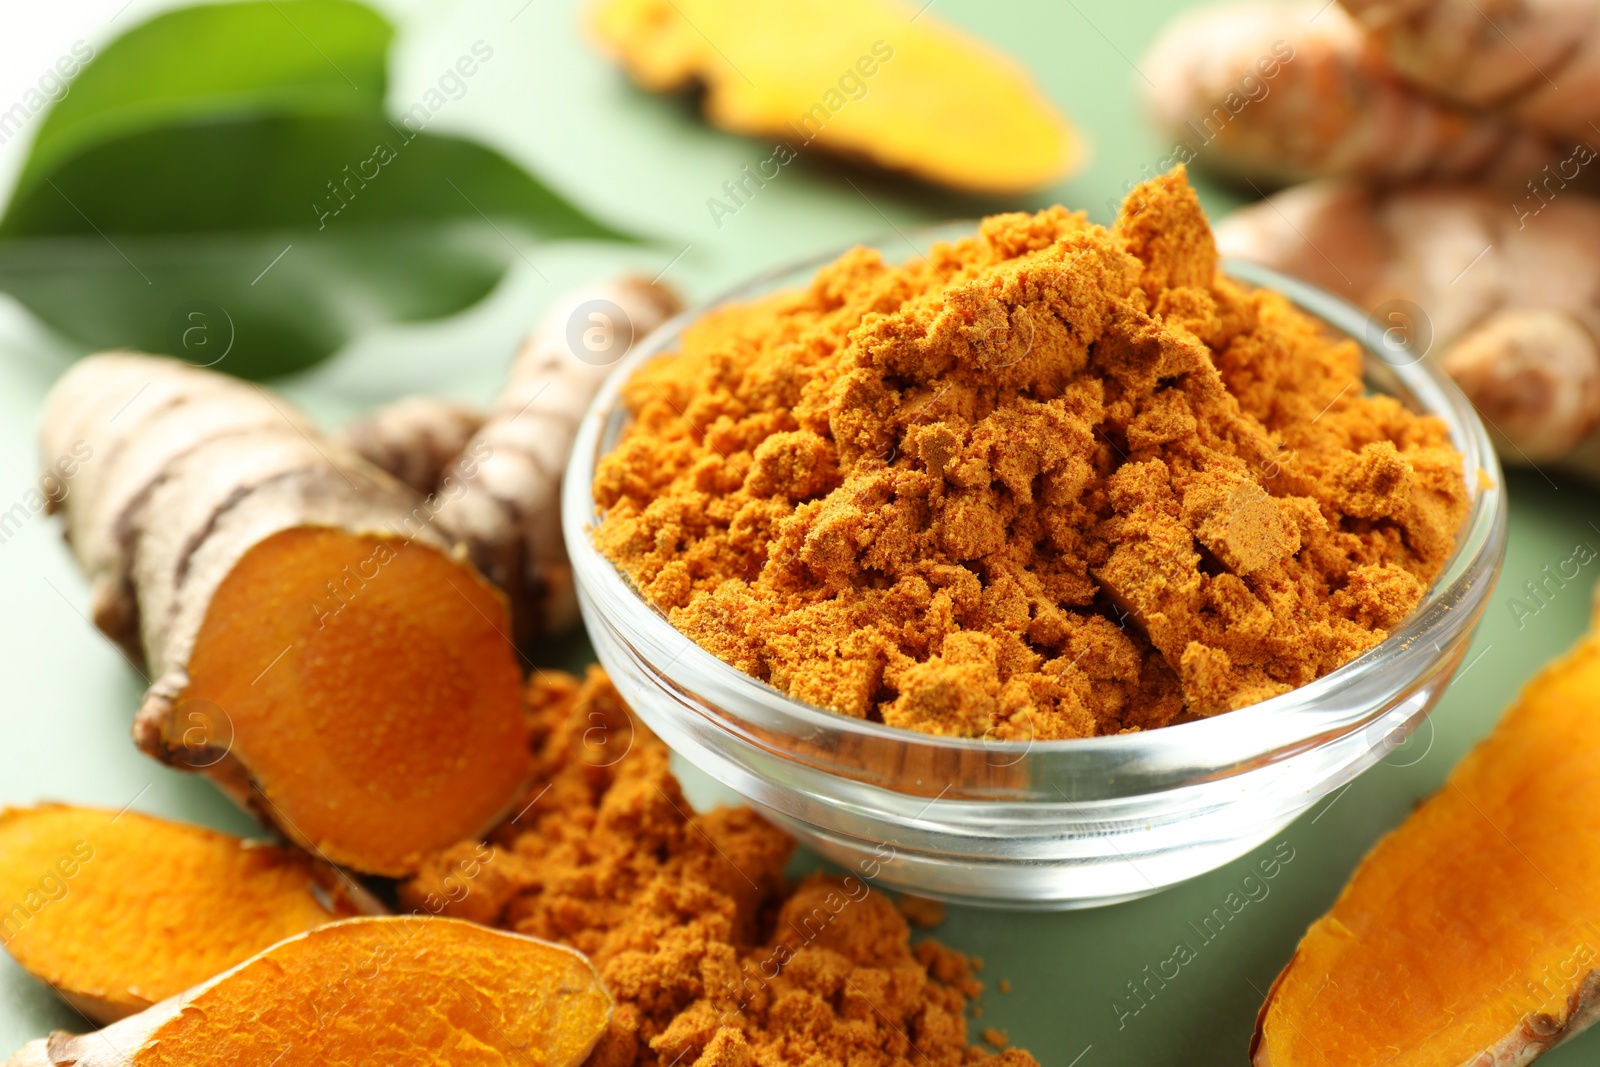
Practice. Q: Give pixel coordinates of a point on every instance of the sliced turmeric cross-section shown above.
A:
(402, 992)
(118, 910)
(870, 79)
(1470, 935)
(379, 720)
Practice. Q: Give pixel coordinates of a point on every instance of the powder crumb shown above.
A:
(997, 1038)
(713, 958)
(1048, 481)
(1005, 985)
(920, 911)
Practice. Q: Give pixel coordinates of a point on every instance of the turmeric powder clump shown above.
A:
(712, 959)
(1047, 481)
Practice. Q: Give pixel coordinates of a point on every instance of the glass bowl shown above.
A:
(1043, 824)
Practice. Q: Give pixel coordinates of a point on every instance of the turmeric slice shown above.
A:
(405, 992)
(315, 646)
(873, 79)
(118, 910)
(1472, 933)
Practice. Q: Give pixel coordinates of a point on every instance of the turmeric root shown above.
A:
(870, 79)
(414, 438)
(316, 648)
(1280, 93)
(1511, 311)
(117, 910)
(407, 992)
(1470, 935)
(501, 496)
(1535, 60)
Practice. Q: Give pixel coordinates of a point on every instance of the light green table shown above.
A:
(647, 164)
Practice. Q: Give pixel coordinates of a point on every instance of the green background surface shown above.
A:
(646, 164)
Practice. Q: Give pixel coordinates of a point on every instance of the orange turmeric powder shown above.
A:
(1047, 481)
(713, 961)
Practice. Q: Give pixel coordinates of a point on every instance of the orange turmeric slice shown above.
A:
(333, 732)
(118, 910)
(873, 79)
(1470, 935)
(403, 992)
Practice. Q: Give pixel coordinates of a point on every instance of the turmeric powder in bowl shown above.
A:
(1047, 481)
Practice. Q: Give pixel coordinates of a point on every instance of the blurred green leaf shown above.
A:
(222, 179)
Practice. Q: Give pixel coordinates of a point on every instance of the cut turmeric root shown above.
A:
(117, 910)
(405, 992)
(872, 79)
(316, 647)
(1471, 935)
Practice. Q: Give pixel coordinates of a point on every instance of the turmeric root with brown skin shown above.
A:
(874, 80)
(1509, 307)
(496, 476)
(1537, 61)
(403, 992)
(501, 495)
(1470, 935)
(118, 910)
(1279, 93)
(315, 646)
(414, 438)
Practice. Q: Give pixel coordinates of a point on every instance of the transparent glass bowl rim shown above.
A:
(1260, 730)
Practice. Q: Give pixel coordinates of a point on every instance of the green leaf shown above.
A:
(135, 230)
(213, 183)
(220, 59)
(205, 298)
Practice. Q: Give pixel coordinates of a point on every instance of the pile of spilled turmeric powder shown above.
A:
(712, 959)
(1048, 481)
